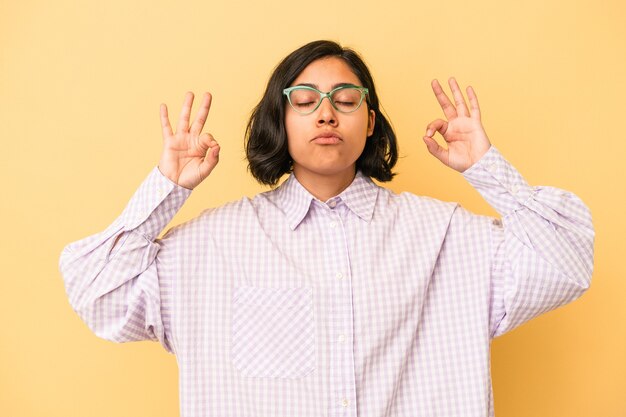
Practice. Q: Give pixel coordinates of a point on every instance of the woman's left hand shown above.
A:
(463, 132)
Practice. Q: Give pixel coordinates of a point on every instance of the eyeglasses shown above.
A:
(346, 98)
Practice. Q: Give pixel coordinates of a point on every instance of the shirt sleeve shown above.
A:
(542, 248)
(111, 278)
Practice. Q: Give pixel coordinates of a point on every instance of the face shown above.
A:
(327, 142)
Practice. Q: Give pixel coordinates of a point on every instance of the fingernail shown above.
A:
(429, 132)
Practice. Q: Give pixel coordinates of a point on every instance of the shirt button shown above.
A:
(344, 402)
(515, 189)
(339, 275)
(492, 168)
(332, 204)
(333, 225)
(342, 338)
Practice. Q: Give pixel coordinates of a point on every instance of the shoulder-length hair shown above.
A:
(266, 138)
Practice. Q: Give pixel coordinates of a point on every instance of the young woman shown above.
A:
(330, 295)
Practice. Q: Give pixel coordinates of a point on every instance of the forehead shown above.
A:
(325, 72)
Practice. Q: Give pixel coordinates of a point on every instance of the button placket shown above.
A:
(342, 361)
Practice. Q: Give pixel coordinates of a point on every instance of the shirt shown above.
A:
(369, 304)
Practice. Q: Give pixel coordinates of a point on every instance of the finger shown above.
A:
(444, 101)
(475, 108)
(165, 122)
(183, 120)
(206, 141)
(436, 150)
(461, 107)
(203, 112)
(438, 125)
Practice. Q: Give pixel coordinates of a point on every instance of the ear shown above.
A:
(371, 121)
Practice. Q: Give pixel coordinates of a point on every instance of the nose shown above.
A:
(326, 113)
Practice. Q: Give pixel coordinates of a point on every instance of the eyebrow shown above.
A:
(332, 87)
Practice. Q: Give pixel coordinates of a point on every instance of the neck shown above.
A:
(324, 187)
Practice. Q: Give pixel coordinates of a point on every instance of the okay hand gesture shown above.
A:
(188, 155)
(463, 132)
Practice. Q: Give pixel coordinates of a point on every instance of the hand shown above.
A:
(463, 132)
(188, 155)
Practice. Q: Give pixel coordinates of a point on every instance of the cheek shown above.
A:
(361, 125)
(294, 129)
(293, 124)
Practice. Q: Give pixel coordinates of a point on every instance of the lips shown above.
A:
(328, 138)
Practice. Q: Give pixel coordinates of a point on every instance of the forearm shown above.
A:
(111, 277)
(543, 252)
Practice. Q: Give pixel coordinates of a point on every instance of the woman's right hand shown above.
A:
(188, 155)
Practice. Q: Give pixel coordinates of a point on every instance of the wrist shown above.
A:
(168, 172)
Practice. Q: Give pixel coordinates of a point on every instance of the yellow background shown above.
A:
(81, 84)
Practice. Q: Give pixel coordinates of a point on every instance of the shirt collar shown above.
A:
(360, 197)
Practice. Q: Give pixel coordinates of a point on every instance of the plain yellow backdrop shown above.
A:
(81, 84)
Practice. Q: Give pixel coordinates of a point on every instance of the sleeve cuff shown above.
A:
(154, 205)
(499, 182)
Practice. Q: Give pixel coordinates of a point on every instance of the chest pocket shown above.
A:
(273, 332)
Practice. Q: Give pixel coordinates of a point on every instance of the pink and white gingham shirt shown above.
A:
(370, 304)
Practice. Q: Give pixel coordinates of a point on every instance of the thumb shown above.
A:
(436, 150)
(211, 157)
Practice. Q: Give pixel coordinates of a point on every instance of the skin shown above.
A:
(463, 131)
(324, 169)
(188, 155)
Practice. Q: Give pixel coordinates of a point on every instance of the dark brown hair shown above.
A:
(266, 138)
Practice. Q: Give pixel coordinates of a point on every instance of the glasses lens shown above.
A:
(304, 100)
(347, 99)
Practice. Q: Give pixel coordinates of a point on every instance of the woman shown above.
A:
(330, 294)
